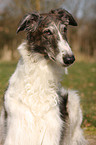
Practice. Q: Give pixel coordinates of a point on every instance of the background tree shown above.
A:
(82, 38)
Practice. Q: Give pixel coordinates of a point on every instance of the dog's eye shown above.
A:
(48, 32)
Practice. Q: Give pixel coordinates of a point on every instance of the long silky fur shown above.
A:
(32, 103)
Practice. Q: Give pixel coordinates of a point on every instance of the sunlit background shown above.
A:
(82, 38)
(82, 75)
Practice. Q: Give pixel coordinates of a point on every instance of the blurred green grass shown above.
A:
(6, 70)
(81, 76)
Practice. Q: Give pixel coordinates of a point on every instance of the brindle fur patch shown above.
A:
(63, 112)
(46, 43)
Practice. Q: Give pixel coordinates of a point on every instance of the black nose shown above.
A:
(68, 59)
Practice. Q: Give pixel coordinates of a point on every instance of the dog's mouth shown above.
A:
(53, 59)
(66, 65)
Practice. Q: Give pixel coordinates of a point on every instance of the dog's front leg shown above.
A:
(73, 133)
(53, 125)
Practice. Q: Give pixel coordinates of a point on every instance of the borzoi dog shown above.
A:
(37, 111)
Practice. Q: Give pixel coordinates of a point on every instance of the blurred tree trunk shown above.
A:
(82, 38)
(37, 4)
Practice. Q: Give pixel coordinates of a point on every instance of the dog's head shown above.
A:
(47, 34)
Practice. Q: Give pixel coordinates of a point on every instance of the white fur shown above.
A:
(73, 131)
(31, 101)
(64, 49)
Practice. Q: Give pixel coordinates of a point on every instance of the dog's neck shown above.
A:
(39, 67)
(41, 79)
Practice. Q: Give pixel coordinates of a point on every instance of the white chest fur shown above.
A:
(32, 102)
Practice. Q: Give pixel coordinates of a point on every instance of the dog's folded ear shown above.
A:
(64, 15)
(29, 22)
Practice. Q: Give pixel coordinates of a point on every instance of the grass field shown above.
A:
(81, 77)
